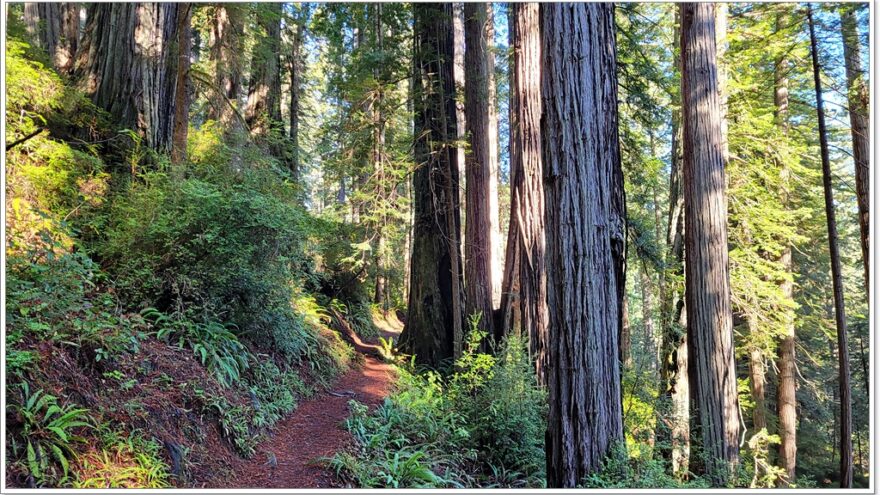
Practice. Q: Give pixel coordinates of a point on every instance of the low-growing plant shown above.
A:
(123, 461)
(47, 432)
(215, 345)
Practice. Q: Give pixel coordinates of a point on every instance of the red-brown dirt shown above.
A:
(315, 430)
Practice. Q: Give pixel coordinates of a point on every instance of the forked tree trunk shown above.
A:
(710, 324)
(479, 63)
(127, 65)
(857, 91)
(585, 225)
(846, 452)
(433, 324)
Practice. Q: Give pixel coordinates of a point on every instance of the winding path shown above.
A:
(315, 429)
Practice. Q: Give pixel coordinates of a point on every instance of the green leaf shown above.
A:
(33, 465)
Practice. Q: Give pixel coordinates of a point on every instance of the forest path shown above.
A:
(316, 428)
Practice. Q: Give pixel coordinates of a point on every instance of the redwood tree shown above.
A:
(479, 62)
(858, 98)
(55, 28)
(525, 284)
(585, 244)
(127, 63)
(707, 280)
(434, 318)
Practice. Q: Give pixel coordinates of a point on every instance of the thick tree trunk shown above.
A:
(127, 65)
(585, 226)
(182, 90)
(846, 453)
(434, 318)
(478, 225)
(264, 89)
(674, 363)
(858, 98)
(710, 324)
(786, 398)
(227, 45)
(55, 28)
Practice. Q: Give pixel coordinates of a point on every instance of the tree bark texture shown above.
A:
(55, 28)
(857, 91)
(585, 243)
(434, 315)
(264, 89)
(478, 224)
(527, 186)
(786, 399)
(127, 63)
(846, 452)
(674, 362)
(182, 85)
(227, 47)
(707, 284)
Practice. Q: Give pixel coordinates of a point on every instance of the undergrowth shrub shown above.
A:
(481, 426)
(121, 461)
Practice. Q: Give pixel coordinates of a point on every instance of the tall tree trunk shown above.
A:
(434, 318)
(674, 363)
(227, 44)
(530, 189)
(585, 226)
(846, 454)
(263, 112)
(511, 318)
(786, 398)
(182, 90)
(55, 28)
(857, 91)
(478, 225)
(126, 65)
(625, 350)
(296, 66)
(459, 76)
(494, 211)
(384, 192)
(757, 381)
(710, 324)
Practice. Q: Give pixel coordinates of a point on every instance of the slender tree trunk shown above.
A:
(674, 363)
(182, 89)
(459, 76)
(296, 66)
(433, 329)
(785, 395)
(625, 351)
(494, 211)
(585, 226)
(126, 65)
(710, 324)
(859, 124)
(757, 381)
(478, 224)
(846, 454)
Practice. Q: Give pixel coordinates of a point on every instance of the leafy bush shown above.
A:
(46, 432)
(482, 426)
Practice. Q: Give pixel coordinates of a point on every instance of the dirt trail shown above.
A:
(315, 429)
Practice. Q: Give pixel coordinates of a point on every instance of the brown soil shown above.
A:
(290, 458)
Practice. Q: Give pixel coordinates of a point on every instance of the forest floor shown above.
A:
(289, 458)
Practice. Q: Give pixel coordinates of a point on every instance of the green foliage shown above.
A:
(123, 461)
(43, 433)
(483, 426)
(215, 345)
